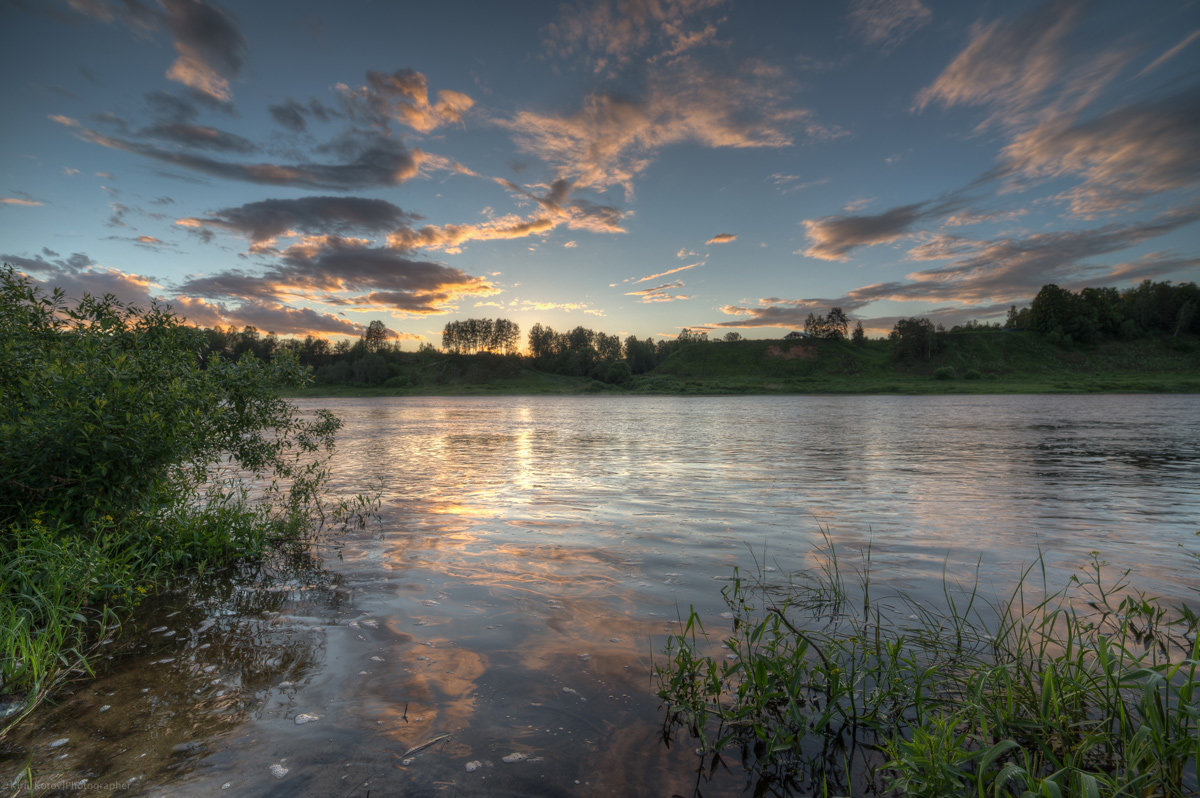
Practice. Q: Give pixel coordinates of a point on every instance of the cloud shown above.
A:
(325, 268)
(659, 293)
(570, 245)
(294, 115)
(613, 138)
(264, 220)
(1169, 54)
(832, 237)
(612, 32)
(451, 237)
(1127, 154)
(290, 115)
(78, 274)
(1011, 64)
(677, 269)
(986, 274)
(566, 307)
(577, 214)
(378, 161)
(403, 96)
(19, 201)
(722, 238)
(210, 48)
(789, 183)
(887, 23)
(198, 137)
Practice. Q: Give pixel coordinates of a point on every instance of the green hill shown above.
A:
(991, 361)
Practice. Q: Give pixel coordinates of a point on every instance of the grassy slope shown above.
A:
(1010, 362)
(1001, 362)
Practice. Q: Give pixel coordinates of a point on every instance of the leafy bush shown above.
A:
(944, 373)
(124, 460)
(972, 374)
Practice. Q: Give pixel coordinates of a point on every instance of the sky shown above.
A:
(632, 166)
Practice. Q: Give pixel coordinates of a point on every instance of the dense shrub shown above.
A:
(123, 457)
(944, 373)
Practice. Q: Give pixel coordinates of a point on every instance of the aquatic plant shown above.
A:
(825, 687)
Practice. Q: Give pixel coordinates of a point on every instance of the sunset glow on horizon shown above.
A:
(632, 166)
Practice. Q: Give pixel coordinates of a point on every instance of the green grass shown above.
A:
(821, 685)
(970, 363)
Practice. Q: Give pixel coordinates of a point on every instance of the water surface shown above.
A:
(532, 553)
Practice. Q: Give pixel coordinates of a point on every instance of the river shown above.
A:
(532, 553)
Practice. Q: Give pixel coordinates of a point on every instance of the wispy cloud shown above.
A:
(610, 33)
(676, 270)
(564, 307)
(722, 238)
(659, 293)
(1171, 53)
(19, 201)
(613, 138)
(1124, 155)
(1010, 65)
(887, 23)
(786, 184)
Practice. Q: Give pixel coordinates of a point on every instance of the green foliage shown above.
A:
(1090, 690)
(831, 327)
(914, 339)
(618, 373)
(944, 373)
(127, 446)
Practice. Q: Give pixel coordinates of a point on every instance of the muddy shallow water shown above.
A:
(493, 631)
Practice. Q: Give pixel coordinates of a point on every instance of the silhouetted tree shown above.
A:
(913, 339)
(375, 336)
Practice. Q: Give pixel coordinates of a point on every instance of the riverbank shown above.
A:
(970, 363)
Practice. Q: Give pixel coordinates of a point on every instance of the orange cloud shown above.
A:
(612, 139)
(403, 96)
(722, 238)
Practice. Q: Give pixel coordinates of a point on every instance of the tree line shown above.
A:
(1063, 316)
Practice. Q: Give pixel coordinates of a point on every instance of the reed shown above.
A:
(827, 687)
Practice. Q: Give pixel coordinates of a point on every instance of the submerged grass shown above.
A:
(824, 687)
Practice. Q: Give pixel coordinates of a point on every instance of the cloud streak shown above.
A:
(659, 293)
(263, 221)
(380, 161)
(832, 237)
